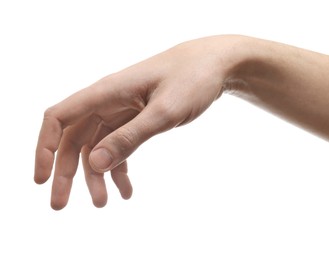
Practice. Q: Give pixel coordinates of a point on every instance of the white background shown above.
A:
(237, 183)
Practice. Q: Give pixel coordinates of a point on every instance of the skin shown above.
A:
(109, 120)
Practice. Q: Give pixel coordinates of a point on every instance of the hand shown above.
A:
(109, 120)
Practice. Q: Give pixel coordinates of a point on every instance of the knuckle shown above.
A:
(51, 115)
(127, 139)
(49, 112)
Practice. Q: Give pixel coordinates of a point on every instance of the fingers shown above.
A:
(56, 119)
(95, 181)
(67, 159)
(107, 92)
(121, 180)
(117, 146)
(71, 124)
(49, 139)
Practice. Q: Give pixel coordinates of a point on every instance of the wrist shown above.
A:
(245, 61)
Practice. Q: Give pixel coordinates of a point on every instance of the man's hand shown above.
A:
(109, 120)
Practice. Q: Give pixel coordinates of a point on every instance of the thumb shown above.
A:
(117, 146)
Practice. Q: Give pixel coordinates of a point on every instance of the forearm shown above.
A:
(290, 82)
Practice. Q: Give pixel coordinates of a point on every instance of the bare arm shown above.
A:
(288, 81)
(109, 120)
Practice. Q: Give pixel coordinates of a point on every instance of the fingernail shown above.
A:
(101, 159)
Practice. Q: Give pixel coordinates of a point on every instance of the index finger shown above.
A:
(56, 119)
